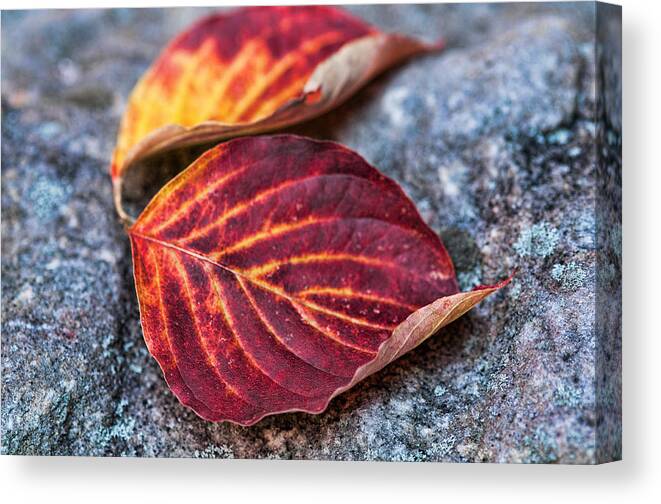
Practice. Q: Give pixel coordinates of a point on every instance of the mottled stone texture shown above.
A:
(609, 233)
(509, 143)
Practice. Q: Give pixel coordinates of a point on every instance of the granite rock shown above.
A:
(494, 141)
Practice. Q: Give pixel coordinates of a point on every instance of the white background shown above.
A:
(636, 479)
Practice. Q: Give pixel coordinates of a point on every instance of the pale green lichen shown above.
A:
(470, 279)
(515, 290)
(443, 446)
(567, 396)
(123, 428)
(47, 197)
(570, 276)
(439, 390)
(214, 452)
(574, 152)
(560, 137)
(539, 240)
(542, 446)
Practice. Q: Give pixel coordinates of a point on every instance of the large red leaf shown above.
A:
(276, 272)
(252, 70)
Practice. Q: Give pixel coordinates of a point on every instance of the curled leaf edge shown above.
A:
(315, 100)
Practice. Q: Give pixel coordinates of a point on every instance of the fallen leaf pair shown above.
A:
(275, 272)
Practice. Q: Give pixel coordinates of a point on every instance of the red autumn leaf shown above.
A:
(252, 70)
(276, 272)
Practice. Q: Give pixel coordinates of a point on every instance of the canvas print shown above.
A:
(379, 233)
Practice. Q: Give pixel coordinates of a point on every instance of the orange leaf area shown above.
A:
(237, 67)
(276, 272)
(251, 70)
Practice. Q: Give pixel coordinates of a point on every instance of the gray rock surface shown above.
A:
(493, 139)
